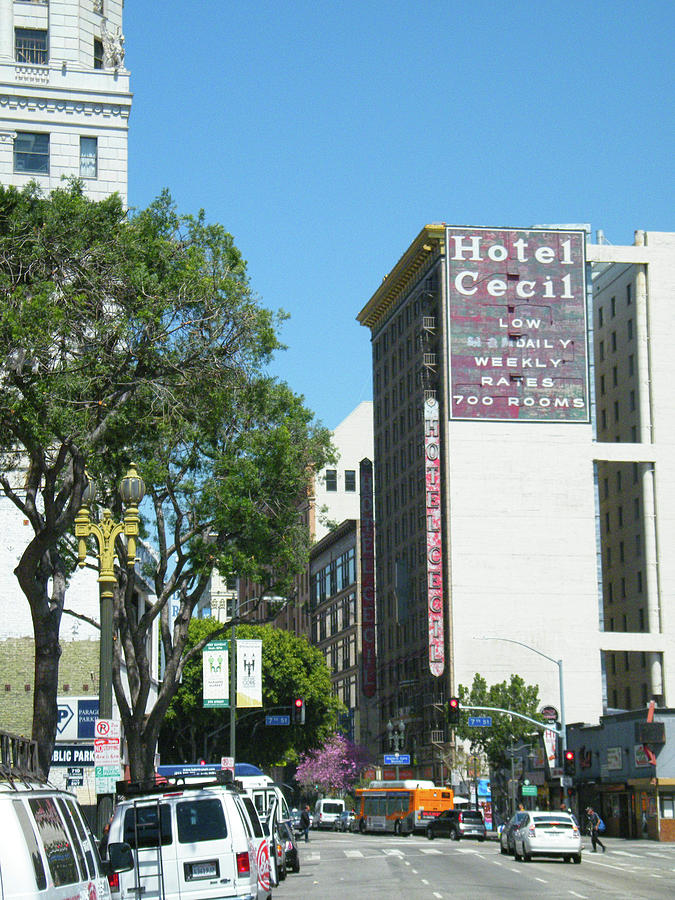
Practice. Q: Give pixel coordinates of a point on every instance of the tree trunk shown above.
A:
(46, 614)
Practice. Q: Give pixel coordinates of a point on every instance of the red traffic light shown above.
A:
(298, 703)
(569, 755)
(454, 703)
(298, 711)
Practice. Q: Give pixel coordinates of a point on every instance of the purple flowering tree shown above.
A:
(334, 768)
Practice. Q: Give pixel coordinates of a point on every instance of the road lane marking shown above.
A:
(440, 896)
(354, 854)
(430, 850)
(543, 880)
(583, 896)
(390, 851)
(424, 881)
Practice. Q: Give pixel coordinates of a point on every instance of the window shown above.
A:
(629, 329)
(600, 317)
(30, 46)
(88, 157)
(98, 53)
(612, 304)
(613, 337)
(140, 822)
(31, 844)
(629, 296)
(31, 153)
(55, 840)
(631, 364)
(331, 479)
(200, 820)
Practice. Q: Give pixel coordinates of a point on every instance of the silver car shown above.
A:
(548, 834)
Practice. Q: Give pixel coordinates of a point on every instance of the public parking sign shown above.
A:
(397, 759)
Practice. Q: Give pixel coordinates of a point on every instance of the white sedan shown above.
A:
(548, 834)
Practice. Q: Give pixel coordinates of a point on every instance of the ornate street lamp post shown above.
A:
(396, 737)
(106, 532)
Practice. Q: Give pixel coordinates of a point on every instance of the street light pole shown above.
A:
(559, 664)
(106, 532)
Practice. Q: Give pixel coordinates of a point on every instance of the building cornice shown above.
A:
(427, 246)
(61, 104)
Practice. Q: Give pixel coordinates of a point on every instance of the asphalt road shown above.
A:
(353, 866)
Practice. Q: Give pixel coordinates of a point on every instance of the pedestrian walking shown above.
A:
(594, 822)
(304, 823)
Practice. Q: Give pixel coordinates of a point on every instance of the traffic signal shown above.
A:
(453, 711)
(298, 711)
(569, 762)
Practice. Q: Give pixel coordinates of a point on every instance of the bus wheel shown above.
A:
(362, 826)
(397, 827)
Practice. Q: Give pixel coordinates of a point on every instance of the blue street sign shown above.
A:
(480, 721)
(397, 759)
(277, 720)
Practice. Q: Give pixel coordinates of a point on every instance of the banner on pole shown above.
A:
(216, 674)
(249, 673)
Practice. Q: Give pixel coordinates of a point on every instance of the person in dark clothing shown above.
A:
(594, 822)
(304, 823)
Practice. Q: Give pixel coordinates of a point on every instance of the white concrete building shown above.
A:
(64, 94)
(336, 489)
(633, 289)
(64, 111)
(504, 540)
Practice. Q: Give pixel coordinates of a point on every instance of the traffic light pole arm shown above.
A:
(509, 712)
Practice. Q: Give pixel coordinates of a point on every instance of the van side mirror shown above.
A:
(120, 857)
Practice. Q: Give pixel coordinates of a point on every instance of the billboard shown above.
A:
(516, 302)
(249, 672)
(432, 460)
(368, 649)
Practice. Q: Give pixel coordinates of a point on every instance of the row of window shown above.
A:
(334, 577)
(613, 340)
(404, 319)
(31, 47)
(612, 305)
(331, 480)
(31, 154)
(622, 587)
(337, 618)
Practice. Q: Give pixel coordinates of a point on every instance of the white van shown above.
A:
(327, 811)
(46, 846)
(190, 842)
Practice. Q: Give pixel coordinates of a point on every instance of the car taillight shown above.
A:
(459, 817)
(114, 882)
(243, 864)
(531, 831)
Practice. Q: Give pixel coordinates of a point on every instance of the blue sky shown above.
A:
(325, 135)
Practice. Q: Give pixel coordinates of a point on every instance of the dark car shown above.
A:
(506, 838)
(456, 824)
(290, 846)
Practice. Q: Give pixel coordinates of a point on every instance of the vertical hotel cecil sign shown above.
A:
(517, 324)
(434, 542)
(367, 579)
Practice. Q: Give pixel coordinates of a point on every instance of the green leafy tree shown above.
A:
(138, 337)
(494, 742)
(290, 668)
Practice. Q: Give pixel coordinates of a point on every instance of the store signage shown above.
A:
(367, 535)
(432, 453)
(517, 324)
(216, 675)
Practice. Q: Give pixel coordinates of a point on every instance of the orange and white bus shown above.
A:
(400, 806)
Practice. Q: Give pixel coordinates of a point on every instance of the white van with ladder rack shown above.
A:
(190, 841)
(47, 851)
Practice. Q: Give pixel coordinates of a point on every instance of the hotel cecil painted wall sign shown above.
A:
(517, 324)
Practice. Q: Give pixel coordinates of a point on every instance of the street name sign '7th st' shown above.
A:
(480, 721)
